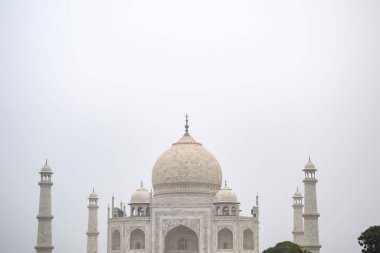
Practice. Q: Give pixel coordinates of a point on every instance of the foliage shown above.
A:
(370, 240)
(286, 247)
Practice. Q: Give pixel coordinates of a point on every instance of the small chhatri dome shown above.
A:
(46, 168)
(186, 167)
(309, 165)
(140, 196)
(225, 195)
(93, 194)
(297, 194)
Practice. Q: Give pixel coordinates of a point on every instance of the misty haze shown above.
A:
(101, 89)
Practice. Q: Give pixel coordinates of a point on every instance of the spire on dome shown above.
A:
(142, 185)
(297, 194)
(46, 168)
(187, 124)
(257, 199)
(225, 183)
(309, 159)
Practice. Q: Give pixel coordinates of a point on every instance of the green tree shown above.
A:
(370, 240)
(286, 247)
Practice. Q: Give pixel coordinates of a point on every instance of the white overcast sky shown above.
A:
(101, 88)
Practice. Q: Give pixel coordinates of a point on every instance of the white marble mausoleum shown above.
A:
(188, 211)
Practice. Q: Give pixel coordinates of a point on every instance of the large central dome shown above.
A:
(186, 167)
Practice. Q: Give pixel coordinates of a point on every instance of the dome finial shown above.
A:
(187, 125)
(225, 182)
(309, 159)
(257, 199)
(93, 189)
(142, 185)
(46, 161)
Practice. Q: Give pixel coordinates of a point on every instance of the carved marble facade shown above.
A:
(188, 210)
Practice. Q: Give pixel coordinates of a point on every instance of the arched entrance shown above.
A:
(181, 239)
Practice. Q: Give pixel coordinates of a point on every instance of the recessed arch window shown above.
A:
(233, 211)
(137, 240)
(116, 240)
(248, 242)
(225, 239)
(226, 211)
(182, 244)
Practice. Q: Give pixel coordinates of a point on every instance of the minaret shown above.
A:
(44, 217)
(255, 214)
(255, 209)
(92, 232)
(311, 233)
(297, 218)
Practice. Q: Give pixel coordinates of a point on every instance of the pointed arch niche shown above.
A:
(137, 239)
(116, 240)
(183, 239)
(225, 239)
(248, 242)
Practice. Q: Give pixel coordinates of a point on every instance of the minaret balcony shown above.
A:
(44, 248)
(310, 215)
(92, 233)
(44, 217)
(310, 180)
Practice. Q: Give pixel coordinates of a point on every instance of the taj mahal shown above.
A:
(189, 210)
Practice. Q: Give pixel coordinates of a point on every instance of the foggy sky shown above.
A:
(100, 89)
